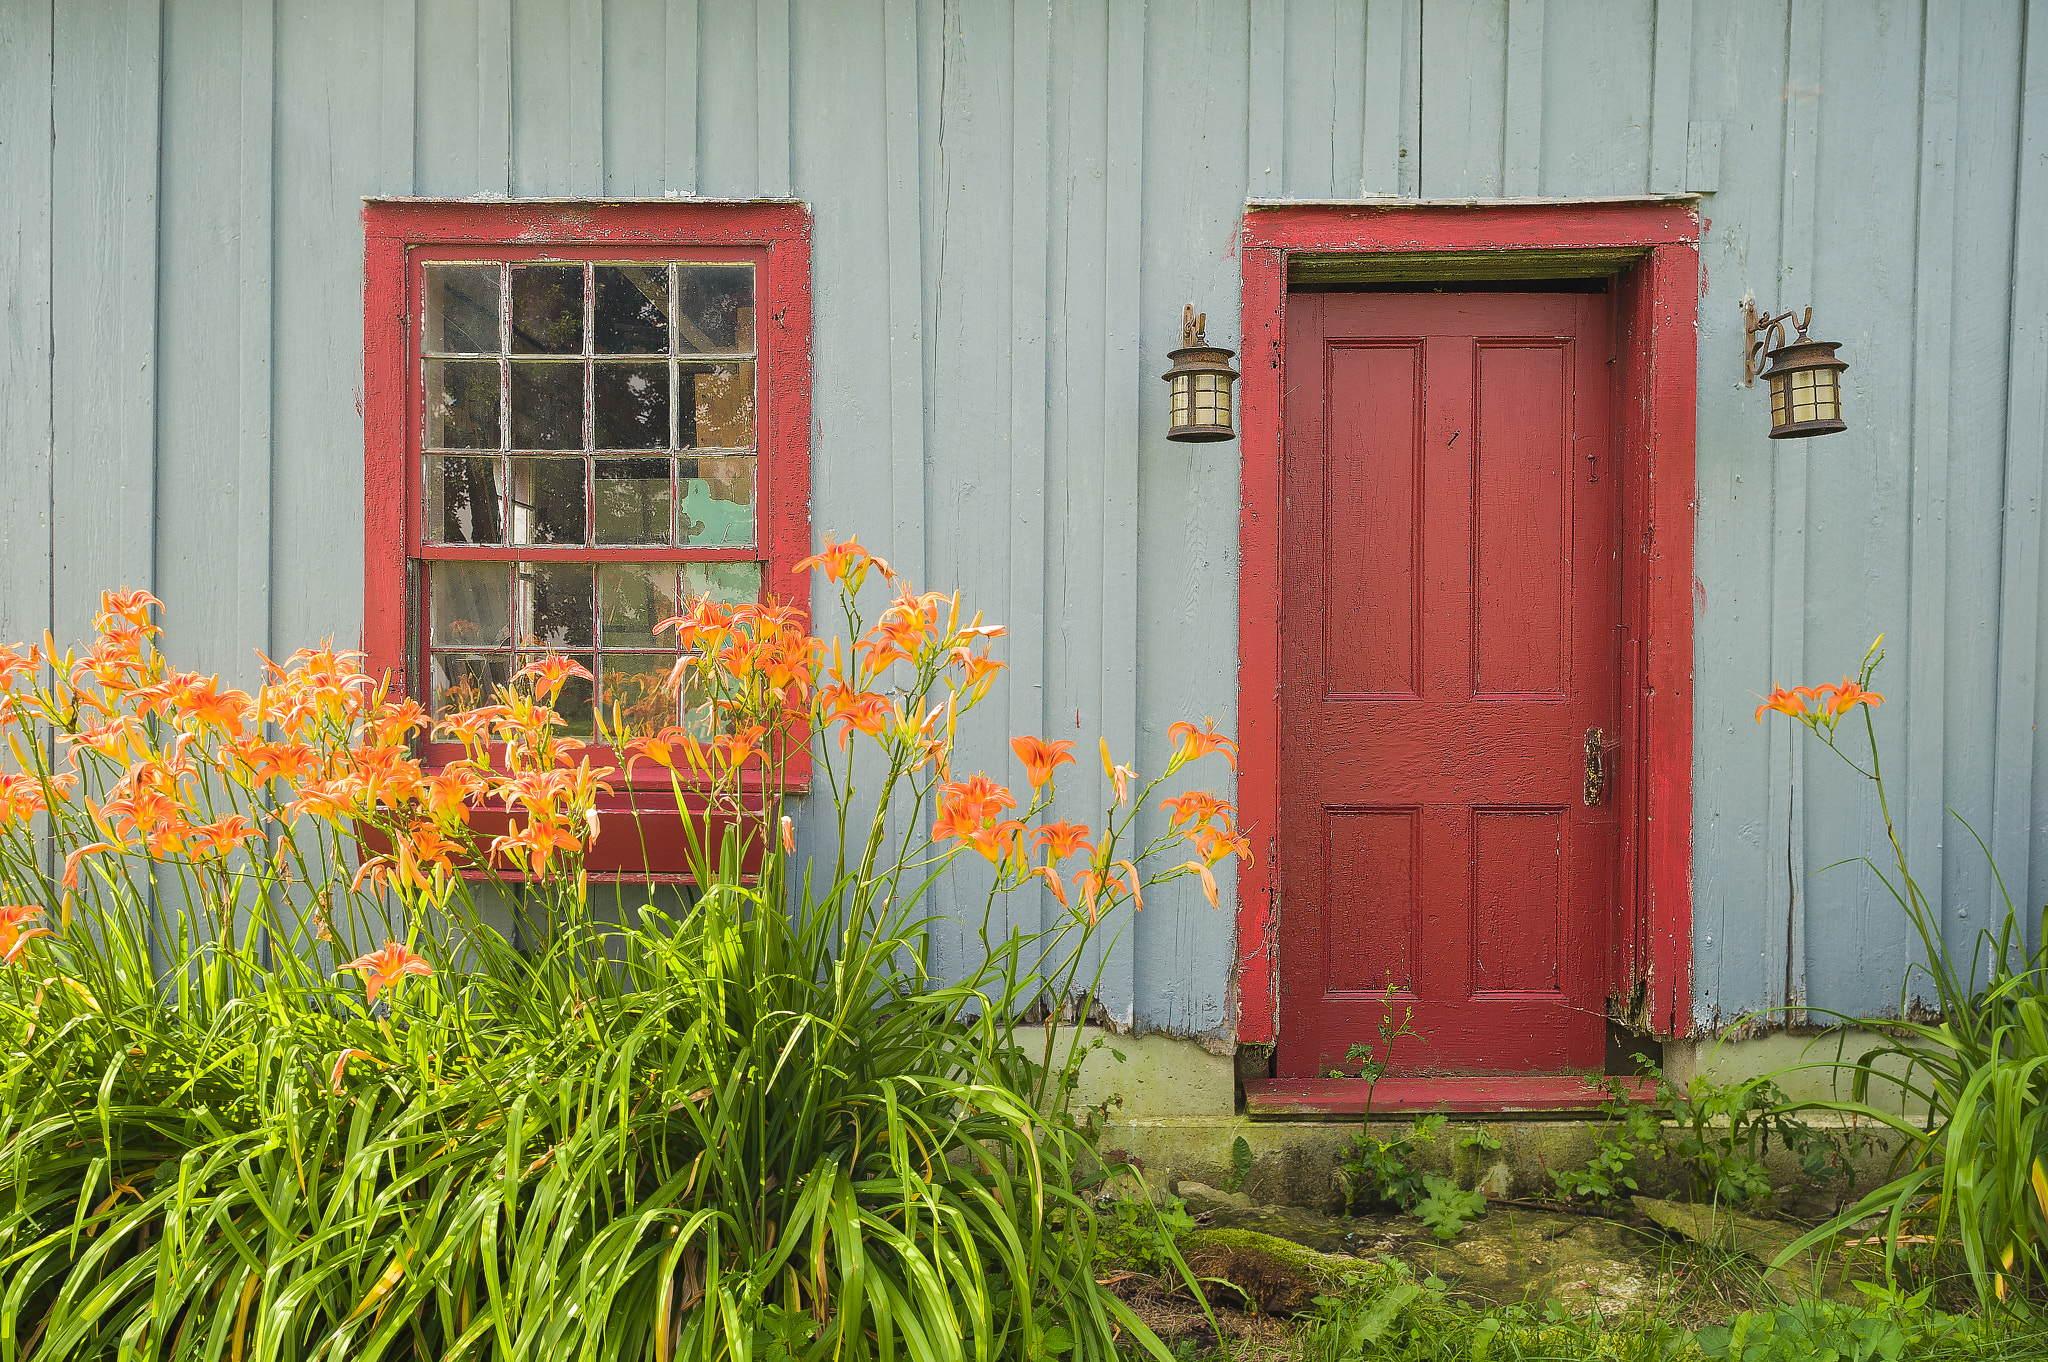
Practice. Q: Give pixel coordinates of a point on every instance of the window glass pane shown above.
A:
(468, 680)
(632, 501)
(718, 500)
(715, 406)
(632, 598)
(465, 500)
(725, 583)
(462, 309)
(633, 692)
(547, 309)
(471, 604)
(555, 606)
(462, 404)
(547, 405)
(630, 402)
(632, 310)
(715, 314)
(547, 501)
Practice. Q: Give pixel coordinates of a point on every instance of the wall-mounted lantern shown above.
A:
(1200, 382)
(1805, 376)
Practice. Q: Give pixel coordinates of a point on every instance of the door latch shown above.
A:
(1596, 765)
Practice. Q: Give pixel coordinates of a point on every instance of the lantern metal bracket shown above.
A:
(1763, 333)
(1193, 327)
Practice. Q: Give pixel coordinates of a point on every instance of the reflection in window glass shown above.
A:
(632, 501)
(634, 693)
(468, 680)
(465, 500)
(725, 583)
(547, 501)
(715, 406)
(718, 500)
(547, 405)
(471, 605)
(634, 598)
(715, 312)
(461, 404)
(462, 309)
(547, 309)
(555, 608)
(632, 309)
(630, 405)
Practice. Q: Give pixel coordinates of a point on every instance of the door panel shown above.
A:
(1449, 633)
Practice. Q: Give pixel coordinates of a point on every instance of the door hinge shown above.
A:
(1596, 765)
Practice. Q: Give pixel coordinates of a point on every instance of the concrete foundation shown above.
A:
(1174, 1109)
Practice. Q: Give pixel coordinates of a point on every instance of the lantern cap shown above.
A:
(1196, 355)
(1802, 354)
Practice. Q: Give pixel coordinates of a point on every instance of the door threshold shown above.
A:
(1313, 1099)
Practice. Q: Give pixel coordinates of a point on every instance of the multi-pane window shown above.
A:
(578, 418)
(590, 405)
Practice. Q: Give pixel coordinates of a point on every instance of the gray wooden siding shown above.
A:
(1012, 202)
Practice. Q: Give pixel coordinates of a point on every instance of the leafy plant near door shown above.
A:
(275, 1082)
(1975, 1169)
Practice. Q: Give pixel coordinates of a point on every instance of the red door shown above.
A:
(1450, 634)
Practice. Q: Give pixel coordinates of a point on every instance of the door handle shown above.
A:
(1596, 765)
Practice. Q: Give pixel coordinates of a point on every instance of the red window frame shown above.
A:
(400, 237)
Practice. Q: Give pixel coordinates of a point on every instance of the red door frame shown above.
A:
(1656, 300)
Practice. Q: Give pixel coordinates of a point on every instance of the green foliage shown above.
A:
(1139, 1235)
(1478, 1137)
(1240, 1163)
(744, 1122)
(1391, 1317)
(1628, 1127)
(1970, 1175)
(1887, 1327)
(1378, 1172)
(1447, 1209)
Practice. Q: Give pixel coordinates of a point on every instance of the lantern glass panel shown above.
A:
(1183, 399)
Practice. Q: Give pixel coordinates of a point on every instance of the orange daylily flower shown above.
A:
(1052, 881)
(856, 711)
(1131, 880)
(13, 665)
(1063, 839)
(1119, 776)
(387, 966)
(204, 705)
(130, 606)
(662, 749)
(71, 861)
(1208, 879)
(223, 835)
(1190, 743)
(13, 935)
(977, 796)
(1196, 806)
(845, 562)
(1089, 886)
(533, 847)
(1792, 702)
(341, 1062)
(1213, 844)
(1041, 758)
(1837, 701)
(550, 673)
